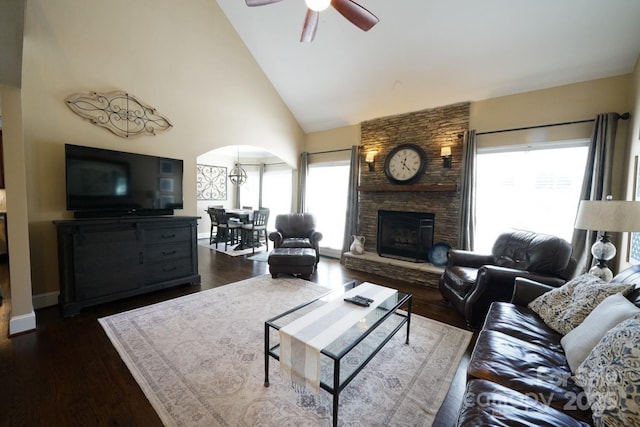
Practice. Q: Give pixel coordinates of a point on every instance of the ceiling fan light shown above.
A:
(318, 5)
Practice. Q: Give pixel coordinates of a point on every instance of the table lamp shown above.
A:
(606, 216)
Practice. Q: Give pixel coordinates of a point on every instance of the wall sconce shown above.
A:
(445, 153)
(370, 160)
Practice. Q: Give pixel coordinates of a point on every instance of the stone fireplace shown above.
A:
(436, 192)
(405, 235)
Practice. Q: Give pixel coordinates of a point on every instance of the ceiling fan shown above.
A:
(358, 15)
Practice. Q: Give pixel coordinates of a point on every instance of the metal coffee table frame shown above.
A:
(380, 318)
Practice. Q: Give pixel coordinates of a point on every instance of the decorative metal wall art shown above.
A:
(120, 112)
(211, 182)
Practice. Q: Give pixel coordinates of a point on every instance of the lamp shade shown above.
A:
(370, 157)
(608, 215)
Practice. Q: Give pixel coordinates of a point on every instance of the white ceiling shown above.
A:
(430, 53)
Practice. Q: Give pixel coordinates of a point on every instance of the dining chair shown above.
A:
(214, 226)
(214, 223)
(227, 230)
(257, 226)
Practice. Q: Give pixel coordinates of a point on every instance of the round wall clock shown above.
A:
(405, 164)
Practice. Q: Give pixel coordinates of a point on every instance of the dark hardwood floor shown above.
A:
(67, 373)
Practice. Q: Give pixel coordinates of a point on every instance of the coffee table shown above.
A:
(357, 341)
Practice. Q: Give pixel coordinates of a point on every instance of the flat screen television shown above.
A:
(111, 183)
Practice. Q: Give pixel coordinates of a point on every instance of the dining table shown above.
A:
(244, 216)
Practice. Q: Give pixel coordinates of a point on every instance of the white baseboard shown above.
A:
(48, 299)
(22, 323)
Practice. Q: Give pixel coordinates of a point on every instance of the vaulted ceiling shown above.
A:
(429, 53)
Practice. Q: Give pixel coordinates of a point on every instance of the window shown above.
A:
(250, 190)
(534, 187)
(276, 192)
(277, 184)
(326, 199)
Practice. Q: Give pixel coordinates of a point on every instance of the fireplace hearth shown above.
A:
(405, 235)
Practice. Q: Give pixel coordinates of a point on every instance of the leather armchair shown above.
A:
(472, 281)
(296, 230)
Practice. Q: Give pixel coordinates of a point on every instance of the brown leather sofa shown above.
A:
(518, 372)
(296, 230)
(472, 281)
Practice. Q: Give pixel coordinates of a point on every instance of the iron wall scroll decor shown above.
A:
(120, 112)
(211, 182)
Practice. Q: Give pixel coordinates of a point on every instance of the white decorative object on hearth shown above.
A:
(357, 245)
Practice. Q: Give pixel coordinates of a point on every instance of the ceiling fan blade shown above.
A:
(252, 3)
(358, 15)
(310, 26)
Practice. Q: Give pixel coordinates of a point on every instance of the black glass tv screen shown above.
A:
(99, 179)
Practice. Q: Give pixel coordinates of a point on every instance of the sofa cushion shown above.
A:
(566, 307)
(522, 323)
(490, 404)
(579, 342)
(532, 369)
(610, 376)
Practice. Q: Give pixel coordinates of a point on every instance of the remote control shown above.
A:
(369, 300)
(357, 301)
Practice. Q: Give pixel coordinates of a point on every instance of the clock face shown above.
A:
(405, 164)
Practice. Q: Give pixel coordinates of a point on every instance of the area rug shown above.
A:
(230, 249)
(261, 256)
(200, 361)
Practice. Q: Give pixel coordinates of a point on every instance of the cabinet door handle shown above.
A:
(166, 270)
(168, 236)
(168, 252)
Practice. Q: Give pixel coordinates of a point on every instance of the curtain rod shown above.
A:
(623, 116)
(266, 164)
(331, 151)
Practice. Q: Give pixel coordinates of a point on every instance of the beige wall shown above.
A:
(573, 102)
(183, 58)
(334, 139)
(22, 316)
(567, 103)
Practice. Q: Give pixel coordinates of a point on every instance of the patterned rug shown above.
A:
(200, 361)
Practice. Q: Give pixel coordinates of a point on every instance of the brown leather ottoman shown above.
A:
(296, 261)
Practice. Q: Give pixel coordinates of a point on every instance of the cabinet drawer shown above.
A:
(168, 252)
(167, 235)
(171, 269)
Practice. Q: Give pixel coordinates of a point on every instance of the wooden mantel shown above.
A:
(427, 188)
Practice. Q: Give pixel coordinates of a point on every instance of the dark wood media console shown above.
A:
(105, 259)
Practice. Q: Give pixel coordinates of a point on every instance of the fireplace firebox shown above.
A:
(405, 235)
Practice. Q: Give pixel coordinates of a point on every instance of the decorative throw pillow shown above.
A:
(579, 342)
(564, 308)
(610, 376)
